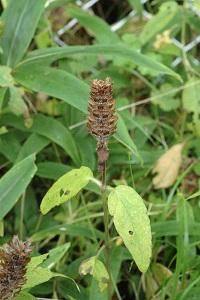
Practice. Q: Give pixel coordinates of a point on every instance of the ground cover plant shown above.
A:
(99, 150)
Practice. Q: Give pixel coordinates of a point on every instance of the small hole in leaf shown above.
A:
(130, 232)
(61, 192)
(67, 192)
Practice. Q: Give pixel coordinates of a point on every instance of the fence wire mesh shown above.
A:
(116, 26)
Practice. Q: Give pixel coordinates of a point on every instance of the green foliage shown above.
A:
(20, 21)
(14, 182)
(65, 188)
(44, 144)
(132, 223)
(96, 268)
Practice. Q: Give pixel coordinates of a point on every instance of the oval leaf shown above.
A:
(132, 223)
(65, 188)
(14, 183)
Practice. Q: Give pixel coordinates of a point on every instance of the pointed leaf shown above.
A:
(99, 28)
(14, 183)
(21, 19)
(53, 54)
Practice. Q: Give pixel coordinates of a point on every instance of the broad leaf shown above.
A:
(21, 18)
(132, 223)
(65, 188)
(36, 274)
(14, 183)
(54, 82)
(52, 170)
(34, 144)
(56, 132)
(52, 54)
(96, 268)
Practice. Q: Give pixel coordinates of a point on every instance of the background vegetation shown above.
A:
(50, 52)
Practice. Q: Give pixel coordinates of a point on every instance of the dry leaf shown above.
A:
(167, 167)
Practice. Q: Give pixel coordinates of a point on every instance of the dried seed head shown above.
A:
(14, 258)
(102, 120)
(101, 116)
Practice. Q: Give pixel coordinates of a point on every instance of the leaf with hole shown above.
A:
(132, 223)
(65, 188)
(96, 268)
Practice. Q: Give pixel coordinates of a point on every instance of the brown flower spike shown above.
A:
(102, 120)
(14, 258)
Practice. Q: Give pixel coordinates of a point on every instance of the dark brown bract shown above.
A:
(101, 116)
(14, 258)
(102, 119)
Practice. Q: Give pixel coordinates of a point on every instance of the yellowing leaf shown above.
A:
(167, 167)
(132, 223)
(6, 78)
(96, 268)
(191, 95)
(65, 188)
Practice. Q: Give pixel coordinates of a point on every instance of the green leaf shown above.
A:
(55, 255)
(73, 230)
(35, 274)
(168, 15)
(6, 78)
(54, 82)
(65, 188)
(34, 144)
(52, 54)
(191, 95)
(96, 268)
(132, 223)
(16, 102)
(56, 132)
(25, 296)
(123, 136)
(137, 5)
(52, 170)
(21, 19)
(48, 127)
(67, 87)
(14, 183)
(99, 28)
(9, 145)
(197, 194)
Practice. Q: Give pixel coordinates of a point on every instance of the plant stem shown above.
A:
(21, 227)
(106, 228)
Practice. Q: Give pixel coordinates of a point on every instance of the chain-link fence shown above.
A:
(116, 26)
